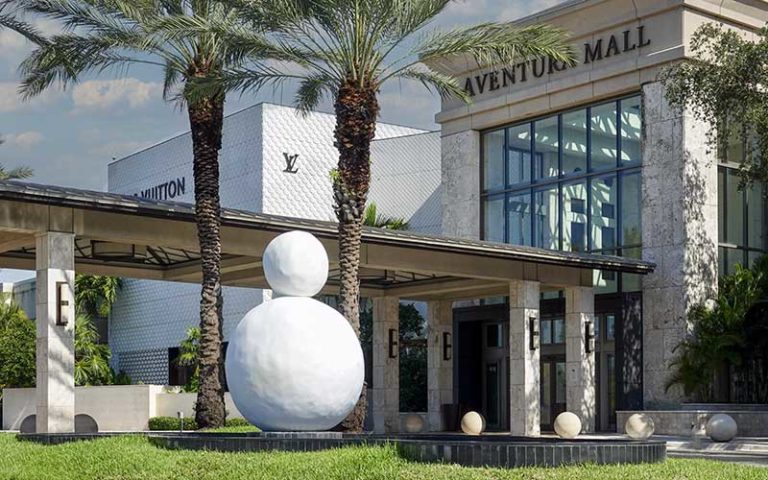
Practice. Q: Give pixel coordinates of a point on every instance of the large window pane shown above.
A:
(734, 150)
(546, 219)
(631, 131)
(721, 174)
(631, 282)
(493, 160)
(494, 219)
(604, 213)
(575, 217)
(546, 148)
(755, 218)
(603, 140)
(734, 221)
(631, 204)
(519, 154)
(575, 142)
(519, 219)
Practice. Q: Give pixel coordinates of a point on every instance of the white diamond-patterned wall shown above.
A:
(150, 316)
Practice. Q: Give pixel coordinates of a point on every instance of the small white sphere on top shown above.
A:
(472, 423)
(721, 428)
(567, 425)
(639, 426)
(295, 264)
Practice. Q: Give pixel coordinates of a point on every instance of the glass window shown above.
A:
(734, 222)
(494, 219)
(493, 160)
(755, 217)
(630, 282)
(631, 206)
(721, 205)
(610, 327)
(494, 336)
(545, 221)
(631, 131)
(558, 330)
(519, 154)
(546, 332)
(519, 219)
(574, 217)
(575, 142)
(546, 148)
(604, 198)
(734, 151)
(603, 137)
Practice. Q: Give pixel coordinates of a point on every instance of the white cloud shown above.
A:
(118, 149)
(11, 101)
(103, 94)
(23, 140)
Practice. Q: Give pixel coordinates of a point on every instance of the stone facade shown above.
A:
(386, 369)
(460, 163)
(580, 395)
(524, 369)
(679, 217)
(439, 368)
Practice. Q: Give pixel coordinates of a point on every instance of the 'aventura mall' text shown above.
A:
(602, 48)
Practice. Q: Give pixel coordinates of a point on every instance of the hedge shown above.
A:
(173, 423)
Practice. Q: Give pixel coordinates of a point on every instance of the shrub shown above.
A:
(237, 422)
(171, 423)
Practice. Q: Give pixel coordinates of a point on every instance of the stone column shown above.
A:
(460, 167)
(55, 391)
(580, 395)
(439, 369)
(679, 218)
(386, 371)
(524, 364)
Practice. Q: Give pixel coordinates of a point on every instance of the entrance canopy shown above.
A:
(126, 236)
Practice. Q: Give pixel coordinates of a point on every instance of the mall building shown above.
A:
(580, 218)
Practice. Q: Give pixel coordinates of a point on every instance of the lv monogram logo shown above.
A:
(290, 162)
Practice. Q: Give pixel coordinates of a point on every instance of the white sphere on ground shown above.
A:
(721, 428)
(295, 264)
(294, 364)
(568, 425)
(472, 423)
(639, 426)
(413, 423)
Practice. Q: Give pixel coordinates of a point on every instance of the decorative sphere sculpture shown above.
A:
(413, 423)
(294, 363)
(639, 426)
(567, 425)
(472, 423)
(721, 428)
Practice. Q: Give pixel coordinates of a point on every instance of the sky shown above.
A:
(69, 137)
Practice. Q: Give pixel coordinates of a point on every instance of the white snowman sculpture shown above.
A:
(293, 363)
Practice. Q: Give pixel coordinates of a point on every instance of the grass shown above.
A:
(233, 429)
(133, 457)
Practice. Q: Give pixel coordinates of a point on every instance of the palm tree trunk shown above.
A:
(206, 119)
(356, 111)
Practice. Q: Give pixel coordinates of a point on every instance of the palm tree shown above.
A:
(10, 20)
(95, 294)
(105, 34)
(372, 218)
(346, 50)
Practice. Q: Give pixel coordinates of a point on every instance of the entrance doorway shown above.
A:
(552, 390)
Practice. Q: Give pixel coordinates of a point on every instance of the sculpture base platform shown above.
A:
(494, 450)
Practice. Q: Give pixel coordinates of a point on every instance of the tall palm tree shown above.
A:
(9, 19)
(114, 34)
(346, 50)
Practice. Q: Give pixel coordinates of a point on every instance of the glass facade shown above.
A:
(741, 222)
(568, 181)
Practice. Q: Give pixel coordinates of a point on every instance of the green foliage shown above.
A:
(189, 356)
(136, 457)
(725, 83)
(718, 331)
(95, 294)
(171, 423)
(17, 347)
(413, 360)
(91, 357)
(371, 218)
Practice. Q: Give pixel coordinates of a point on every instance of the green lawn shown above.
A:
(135, 458)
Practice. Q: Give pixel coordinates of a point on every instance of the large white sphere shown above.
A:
(295, 264)
(294, 363)
(472, 423)
(721, 428)
(639, 426)
(567, 425)
(413, 423)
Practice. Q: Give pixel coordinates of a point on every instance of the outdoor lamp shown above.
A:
(533, 328)
(447, 346)
(589, 336)
(392, 343)
(63, 301)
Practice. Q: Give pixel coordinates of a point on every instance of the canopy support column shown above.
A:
(524, 364)
(386, 364)
(580, 355)
(439, 361)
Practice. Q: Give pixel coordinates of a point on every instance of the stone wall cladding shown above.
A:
(460, 166)
(679, 217)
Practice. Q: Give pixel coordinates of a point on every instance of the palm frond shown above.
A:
(10, 20)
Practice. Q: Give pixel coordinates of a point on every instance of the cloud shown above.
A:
(23, 140)
(118, 149)
(104, 94)
(11, 101)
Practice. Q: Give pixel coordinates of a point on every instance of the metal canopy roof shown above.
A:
(127, 236)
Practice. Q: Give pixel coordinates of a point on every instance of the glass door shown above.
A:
(552, 390)
(495, 375)
(605, 336)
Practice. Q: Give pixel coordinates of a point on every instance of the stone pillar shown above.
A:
(386, 371)
(679, 218)
(460, 167)
(580, 395)
(524, 364)
(55, 391)
(439, 369)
